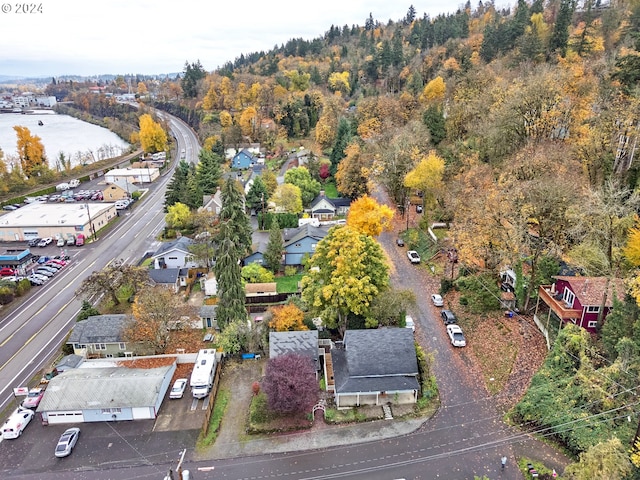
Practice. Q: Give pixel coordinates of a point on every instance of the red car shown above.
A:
(7, 272)
(33, 398)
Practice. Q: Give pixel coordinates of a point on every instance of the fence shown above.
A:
(212, 400)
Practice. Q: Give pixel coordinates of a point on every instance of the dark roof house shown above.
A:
(375, 367)
(301, 241)
(99, 336)
(325, 208)
(303, 342)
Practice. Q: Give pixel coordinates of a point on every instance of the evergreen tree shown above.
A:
(258, 196)
(176, 190)
(193, 193)
(273, 255)
(343, 137)
(434, 120)
(231, 295)
(233, 212)
(560, 34)
(209, 172)
(193, 73)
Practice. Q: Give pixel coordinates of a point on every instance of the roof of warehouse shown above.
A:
(112, 387)
(53, 214)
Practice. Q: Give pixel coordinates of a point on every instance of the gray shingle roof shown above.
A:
(302, 342)
(296, 234)
(165, 276)
(208, 311)
(377, 360)
(181, 244)
(112, 387)
(99, 329)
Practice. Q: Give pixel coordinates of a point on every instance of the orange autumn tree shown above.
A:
(369, 217)
(287, 318)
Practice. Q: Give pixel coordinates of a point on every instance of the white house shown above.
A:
(132, 175)
(174, 254)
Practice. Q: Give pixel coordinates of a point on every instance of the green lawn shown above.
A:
(330, 190)
(288, 284)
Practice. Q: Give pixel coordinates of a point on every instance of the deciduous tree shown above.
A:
(153, 138)
(367, 216)
(177, 216)
(426, 177)
(353, 173)
(275, 247)
(290, 383)
(256, 273)
(347, 271)
(157, 312)
(300, 177)
(288, 198)
(607, 460)
(287, 318)
(30, 151)
(112, 279)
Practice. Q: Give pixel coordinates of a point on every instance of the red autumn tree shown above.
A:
(290, 383)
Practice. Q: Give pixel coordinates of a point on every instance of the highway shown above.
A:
(31, 335)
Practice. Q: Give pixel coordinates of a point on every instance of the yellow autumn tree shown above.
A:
(367, 216)
(30, 151)
(631, 250)
(287, 318)
(210, 100)
(153, 138)
(248, 121)
(339, 82)
(426, 177)
(433, 91)
(226, 120)
(142, 88)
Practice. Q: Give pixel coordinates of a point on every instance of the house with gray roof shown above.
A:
(300, 242)
(172, 278)
(325, 208)
(174, 254)
(207, 314)
(112, 393)
(304, 342)
(68, 362)
(375, 367)
(100, 336)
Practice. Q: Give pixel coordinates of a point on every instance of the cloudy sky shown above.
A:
(157, 36)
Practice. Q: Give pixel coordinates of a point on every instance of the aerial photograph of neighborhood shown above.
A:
(365, 241)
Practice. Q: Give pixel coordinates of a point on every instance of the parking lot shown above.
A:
(107, 444)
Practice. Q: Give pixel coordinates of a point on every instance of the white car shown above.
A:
(178, 389)
(67, 441)
(408, 323)
(413, 256)
(437, 300)
(456, 336)
(16, 423)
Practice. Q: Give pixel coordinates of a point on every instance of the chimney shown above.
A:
(322, 193)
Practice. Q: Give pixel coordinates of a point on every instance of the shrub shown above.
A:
(290, 271)
(23, 287)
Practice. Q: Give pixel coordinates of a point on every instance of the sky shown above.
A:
(80, 37)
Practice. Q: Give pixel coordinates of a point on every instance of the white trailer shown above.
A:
(203, 373)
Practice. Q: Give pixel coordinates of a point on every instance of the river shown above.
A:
(79, 141)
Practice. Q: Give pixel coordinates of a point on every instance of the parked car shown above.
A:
(61, 242)
(42, 271)
(179, 386)
(10, 207)
(12, 278)
(33, 398)
(16, 423)
(34, 242)
(67, 441)
(48, 268)
(456, 336)
(7, 272)
(400, 242)
(45, 241)
(408, 323)
(57, 261)
(52, 264)
(43, 259)
(39, 276)
(413, 256)
(448, 317)
(437, 300)
(35, 281)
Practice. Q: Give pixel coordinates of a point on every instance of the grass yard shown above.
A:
(288, 284)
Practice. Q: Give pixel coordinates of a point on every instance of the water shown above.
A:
(81, 141)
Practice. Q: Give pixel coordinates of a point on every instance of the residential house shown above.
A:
(174, 254)
(212, 203)
(325, 208)
(68, 362)
(118, 190)
(111, 394)
(301, 342)
(259, 248)
(260, 289)
(580, 300)
(172, 278)
(375, 367)
(209, 284)
(243, 160)
(207, 314)
(300, 242)
(100, 336)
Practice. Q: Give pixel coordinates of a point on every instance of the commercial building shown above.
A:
(48, 219)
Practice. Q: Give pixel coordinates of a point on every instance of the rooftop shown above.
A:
(50, 214)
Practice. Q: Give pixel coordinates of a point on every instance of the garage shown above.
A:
(54, 418)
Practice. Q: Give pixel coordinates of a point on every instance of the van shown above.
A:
(79, 240)
(16, 423)
(71, 239)
(62, 186)
(75, 183)
(121, 204)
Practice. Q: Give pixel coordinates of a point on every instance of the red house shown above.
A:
(579, 299)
